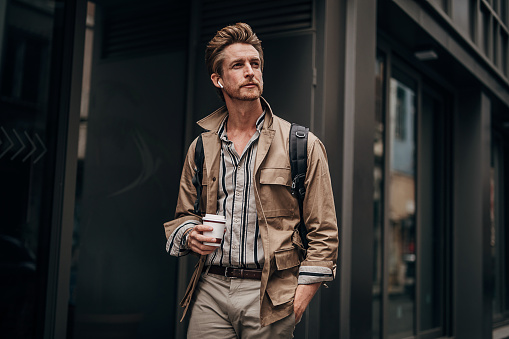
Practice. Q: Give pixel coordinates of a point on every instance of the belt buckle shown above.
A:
(228, 272)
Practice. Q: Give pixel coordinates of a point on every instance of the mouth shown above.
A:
(250, 85)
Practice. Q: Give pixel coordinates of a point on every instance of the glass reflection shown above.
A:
(402, 254)
(26, 33)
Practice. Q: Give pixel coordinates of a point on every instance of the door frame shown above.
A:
(396, 57)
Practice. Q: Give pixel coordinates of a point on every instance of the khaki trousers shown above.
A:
(225, 308)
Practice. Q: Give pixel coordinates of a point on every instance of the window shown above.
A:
(410, 194)
(485, 23)
(400, 127)
(402, 223)
(30, 129)
(25, 59)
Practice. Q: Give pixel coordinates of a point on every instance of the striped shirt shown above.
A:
(242, 245)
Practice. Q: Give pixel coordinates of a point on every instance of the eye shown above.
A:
(237, 65)
(255, 64)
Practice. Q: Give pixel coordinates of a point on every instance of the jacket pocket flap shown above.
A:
(287, 258)
(276, 176)
(280, 295)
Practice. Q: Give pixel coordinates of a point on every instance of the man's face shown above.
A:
(242, 74)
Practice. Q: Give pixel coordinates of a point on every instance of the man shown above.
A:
(259, 281)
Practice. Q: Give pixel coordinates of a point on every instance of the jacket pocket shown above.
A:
(276, 176)
(283, 282)
(275, 192)
(286, 258)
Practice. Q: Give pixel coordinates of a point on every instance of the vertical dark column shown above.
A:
(358, 161)
(348, 94)
(472, 257)
(186, 264)
(329, 98)
(65, 96)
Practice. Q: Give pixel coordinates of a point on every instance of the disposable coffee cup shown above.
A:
(218, 222)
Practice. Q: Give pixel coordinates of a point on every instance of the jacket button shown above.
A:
(214, 179)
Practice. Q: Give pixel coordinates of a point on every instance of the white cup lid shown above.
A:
(214, 217)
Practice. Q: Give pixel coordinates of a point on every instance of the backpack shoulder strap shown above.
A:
(298, 143)
(199, 156)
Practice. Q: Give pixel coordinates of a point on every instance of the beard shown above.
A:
(245, 94)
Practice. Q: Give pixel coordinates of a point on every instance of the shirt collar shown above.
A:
(222, 128)
(212, 121)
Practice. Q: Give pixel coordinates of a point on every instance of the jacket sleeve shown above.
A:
(185, 218)
(320, 218)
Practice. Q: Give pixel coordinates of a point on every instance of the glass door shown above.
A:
(410, 196)
(32, 161)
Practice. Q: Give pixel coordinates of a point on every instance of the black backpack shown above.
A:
(298, 163)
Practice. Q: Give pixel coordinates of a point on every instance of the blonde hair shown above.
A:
(238, 33)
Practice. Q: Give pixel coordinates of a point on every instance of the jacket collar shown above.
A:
(212, 122)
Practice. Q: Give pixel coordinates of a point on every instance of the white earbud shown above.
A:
(220, 84)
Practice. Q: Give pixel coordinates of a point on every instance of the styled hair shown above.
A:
(238, 33)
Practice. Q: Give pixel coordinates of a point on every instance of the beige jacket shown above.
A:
(277, 209)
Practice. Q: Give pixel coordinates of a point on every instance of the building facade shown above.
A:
(98, 105)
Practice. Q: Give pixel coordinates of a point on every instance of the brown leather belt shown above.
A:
(230, 272)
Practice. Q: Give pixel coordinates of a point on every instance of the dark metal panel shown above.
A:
(69, 36)
(343, 112)
(3, 14)
(264, 16)
(126, 281)
(327, 122)
(145, 27)
(288, 79)
(472, 266)
(357, 177)
(186, 264)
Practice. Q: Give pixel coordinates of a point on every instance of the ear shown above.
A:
(215, 79)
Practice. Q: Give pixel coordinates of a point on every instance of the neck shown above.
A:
(242, 115)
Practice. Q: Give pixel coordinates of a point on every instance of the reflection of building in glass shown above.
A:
(403, 128)
(26, 31)
(402, 188)
(402, 221)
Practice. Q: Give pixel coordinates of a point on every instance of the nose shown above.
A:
(248, 70)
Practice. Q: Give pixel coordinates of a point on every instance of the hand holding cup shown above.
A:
(205, 239)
